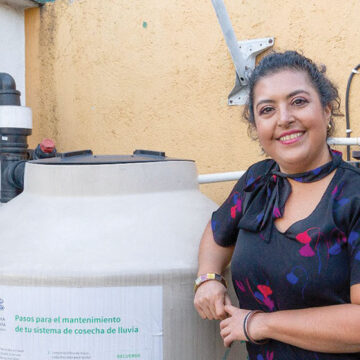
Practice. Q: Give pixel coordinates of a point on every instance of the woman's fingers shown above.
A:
(201, 312)
(231, 329)
(228, 340)
(227, 299)
(211, 312)
(225, 332)
(230, 309)
(224, 323)
(220, 308)
(204, 311)
(209, 309)
(207, 312)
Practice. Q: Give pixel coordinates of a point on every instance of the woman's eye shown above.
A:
(265, 110)
(299, 101)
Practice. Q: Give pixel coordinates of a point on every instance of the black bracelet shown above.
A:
(247, 318)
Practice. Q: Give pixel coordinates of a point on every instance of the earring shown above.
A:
(329, 127)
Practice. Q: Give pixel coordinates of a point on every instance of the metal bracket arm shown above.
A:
(243, 54)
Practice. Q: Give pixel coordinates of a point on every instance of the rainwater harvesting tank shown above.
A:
(98, 257)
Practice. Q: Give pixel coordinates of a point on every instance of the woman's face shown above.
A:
(290, 121)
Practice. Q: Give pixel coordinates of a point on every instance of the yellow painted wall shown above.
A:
(119, 75)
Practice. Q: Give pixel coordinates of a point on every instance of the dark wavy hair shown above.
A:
(292, 60)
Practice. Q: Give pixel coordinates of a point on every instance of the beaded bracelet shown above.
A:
(209, 276)
(247, 318)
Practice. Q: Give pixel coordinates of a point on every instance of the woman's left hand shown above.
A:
(232, 327)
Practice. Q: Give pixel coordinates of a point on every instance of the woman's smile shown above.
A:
(291, 137)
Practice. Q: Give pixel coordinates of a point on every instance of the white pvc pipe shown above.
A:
(218, 177)
(236, 175)
(344, 141)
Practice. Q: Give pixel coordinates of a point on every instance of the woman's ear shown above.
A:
(327, 111)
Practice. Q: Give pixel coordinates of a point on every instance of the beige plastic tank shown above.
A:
(104, 243)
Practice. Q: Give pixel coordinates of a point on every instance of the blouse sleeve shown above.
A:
(346, 211)
(225, 219)
(354, 244)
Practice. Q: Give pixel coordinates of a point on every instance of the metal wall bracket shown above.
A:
(243, 54)
(249, 49)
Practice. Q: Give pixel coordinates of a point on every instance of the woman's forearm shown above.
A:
(211, 296)
(212, 257)
(333, 329)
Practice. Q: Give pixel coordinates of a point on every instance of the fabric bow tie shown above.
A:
(267, 195)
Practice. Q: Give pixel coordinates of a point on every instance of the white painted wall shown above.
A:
(12, 42)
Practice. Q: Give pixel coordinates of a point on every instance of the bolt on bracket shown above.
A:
(249, 49)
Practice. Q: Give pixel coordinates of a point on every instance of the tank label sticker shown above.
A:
(48, 323)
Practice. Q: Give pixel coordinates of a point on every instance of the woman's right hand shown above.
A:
(210, 300)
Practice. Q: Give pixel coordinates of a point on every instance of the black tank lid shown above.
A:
(8, 93)
(86, 157)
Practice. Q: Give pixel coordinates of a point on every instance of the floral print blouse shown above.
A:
(313, 263)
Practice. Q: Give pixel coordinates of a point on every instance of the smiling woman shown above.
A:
(291, 227)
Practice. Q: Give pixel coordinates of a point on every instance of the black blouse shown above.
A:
(313, 263)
